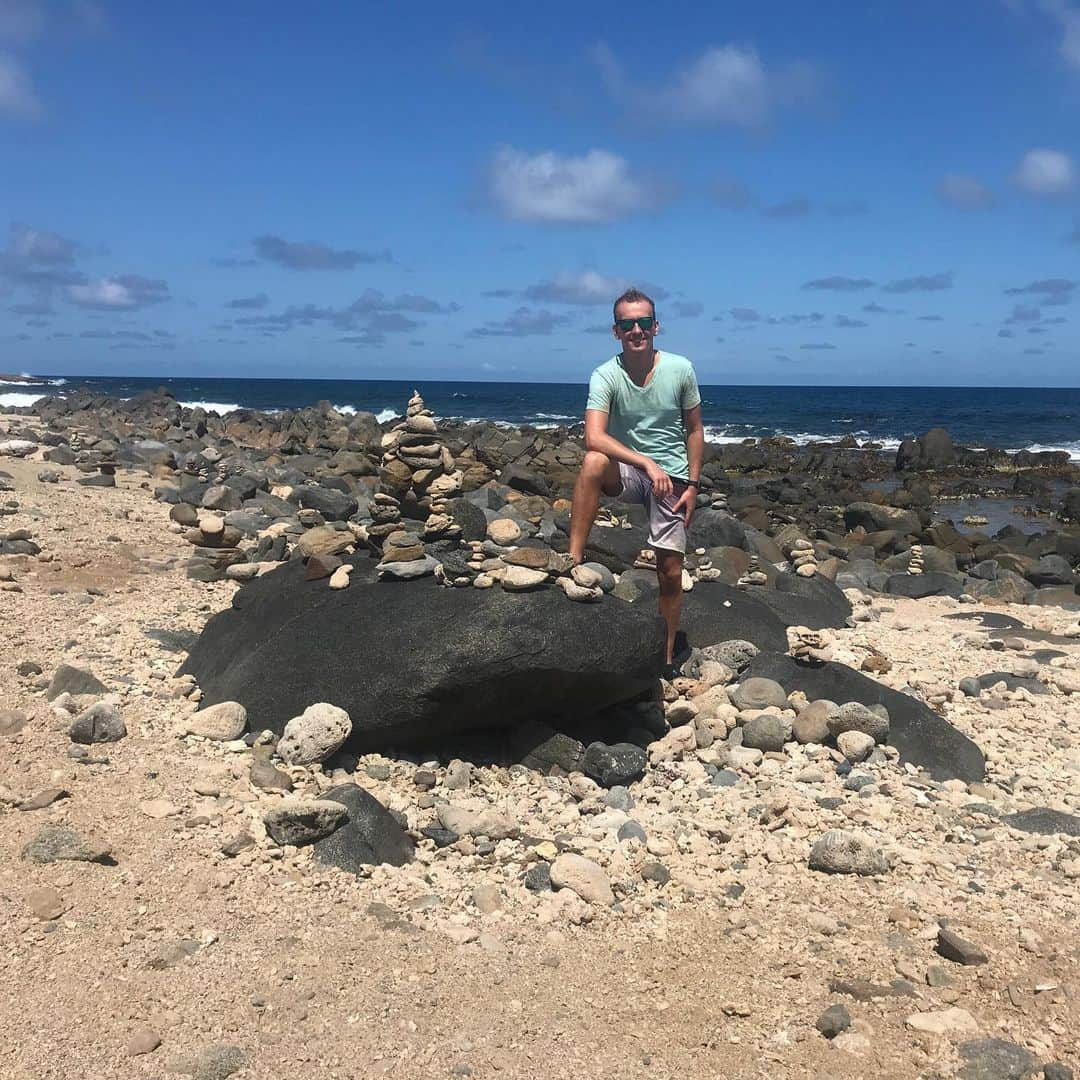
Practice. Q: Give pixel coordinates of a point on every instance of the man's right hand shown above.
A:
(661, 482)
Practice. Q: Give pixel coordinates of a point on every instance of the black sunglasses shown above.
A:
(646, 322)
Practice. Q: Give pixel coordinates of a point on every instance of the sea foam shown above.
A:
(211, 406)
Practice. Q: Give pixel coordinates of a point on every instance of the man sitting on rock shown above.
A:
(644, 443)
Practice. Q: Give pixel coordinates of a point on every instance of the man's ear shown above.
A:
(656, 328)
(615, 333)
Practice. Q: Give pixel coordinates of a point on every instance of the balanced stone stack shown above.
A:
(702, 567)
(417, 476)
(803, 558)
(754, 574)
(813, 646)
(915, 565)
(215, 543)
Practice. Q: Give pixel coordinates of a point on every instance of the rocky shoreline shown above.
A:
(316, 656)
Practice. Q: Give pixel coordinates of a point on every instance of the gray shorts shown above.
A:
(667, 531)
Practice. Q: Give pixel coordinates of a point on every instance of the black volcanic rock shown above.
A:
(413, 661)
(922, 737)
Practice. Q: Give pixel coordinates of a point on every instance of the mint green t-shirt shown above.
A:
(649, 419)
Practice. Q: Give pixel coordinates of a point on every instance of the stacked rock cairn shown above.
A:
(812, 646)
(803, 558)
(915, 565)
(418, 473)
(754, 574)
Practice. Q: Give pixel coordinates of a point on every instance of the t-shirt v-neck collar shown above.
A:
(652, 375)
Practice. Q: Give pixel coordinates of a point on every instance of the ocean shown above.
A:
(1006, 417)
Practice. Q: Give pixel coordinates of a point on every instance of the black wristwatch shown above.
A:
(693, 483)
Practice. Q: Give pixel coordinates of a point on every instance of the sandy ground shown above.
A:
(721, 972)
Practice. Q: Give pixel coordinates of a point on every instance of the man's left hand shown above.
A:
(686, 505)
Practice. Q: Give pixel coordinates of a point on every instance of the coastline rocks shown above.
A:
(284, 635)
(319, 731)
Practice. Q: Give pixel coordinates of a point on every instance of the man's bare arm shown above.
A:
(695, 440)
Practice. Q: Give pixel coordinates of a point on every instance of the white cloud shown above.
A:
(122, 293)
(1068, 18)
(17, 97)
(552, 187)
(965, 192)
(726, 85)
(1045, 174)
(588, 287)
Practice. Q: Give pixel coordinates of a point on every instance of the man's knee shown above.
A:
(669, 570)
(595, 465)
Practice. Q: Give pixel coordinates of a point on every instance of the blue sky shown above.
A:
(842, 193)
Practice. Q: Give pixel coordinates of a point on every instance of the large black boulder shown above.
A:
(714, 612)
(714, 528)
(411, 661)
(922, 737)
(918, 586)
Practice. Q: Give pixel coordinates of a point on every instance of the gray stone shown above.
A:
(300, 822)
(215, 1062)
(996, 1059)
(538, 877)
(1043, 820)
(458, 775)
(371, 835)
(970, 687)
(619, 798)
(758, 693)
(1057, 1070)
(958, 949)
(97, 724)
(811, 723)
(631, 830)
(68, 679)
(844, 851)
(655, 872)
(56, 844)
(833, 1020)
(766, 732)
(620, 764)
(854, 716)
(736, 654)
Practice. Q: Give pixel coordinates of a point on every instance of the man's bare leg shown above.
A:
(598, 473)
(669, 568)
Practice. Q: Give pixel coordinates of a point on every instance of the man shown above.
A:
(644, 442)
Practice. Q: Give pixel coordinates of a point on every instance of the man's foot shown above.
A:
(671, 672)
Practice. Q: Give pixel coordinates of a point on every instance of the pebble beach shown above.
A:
(751, 881)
